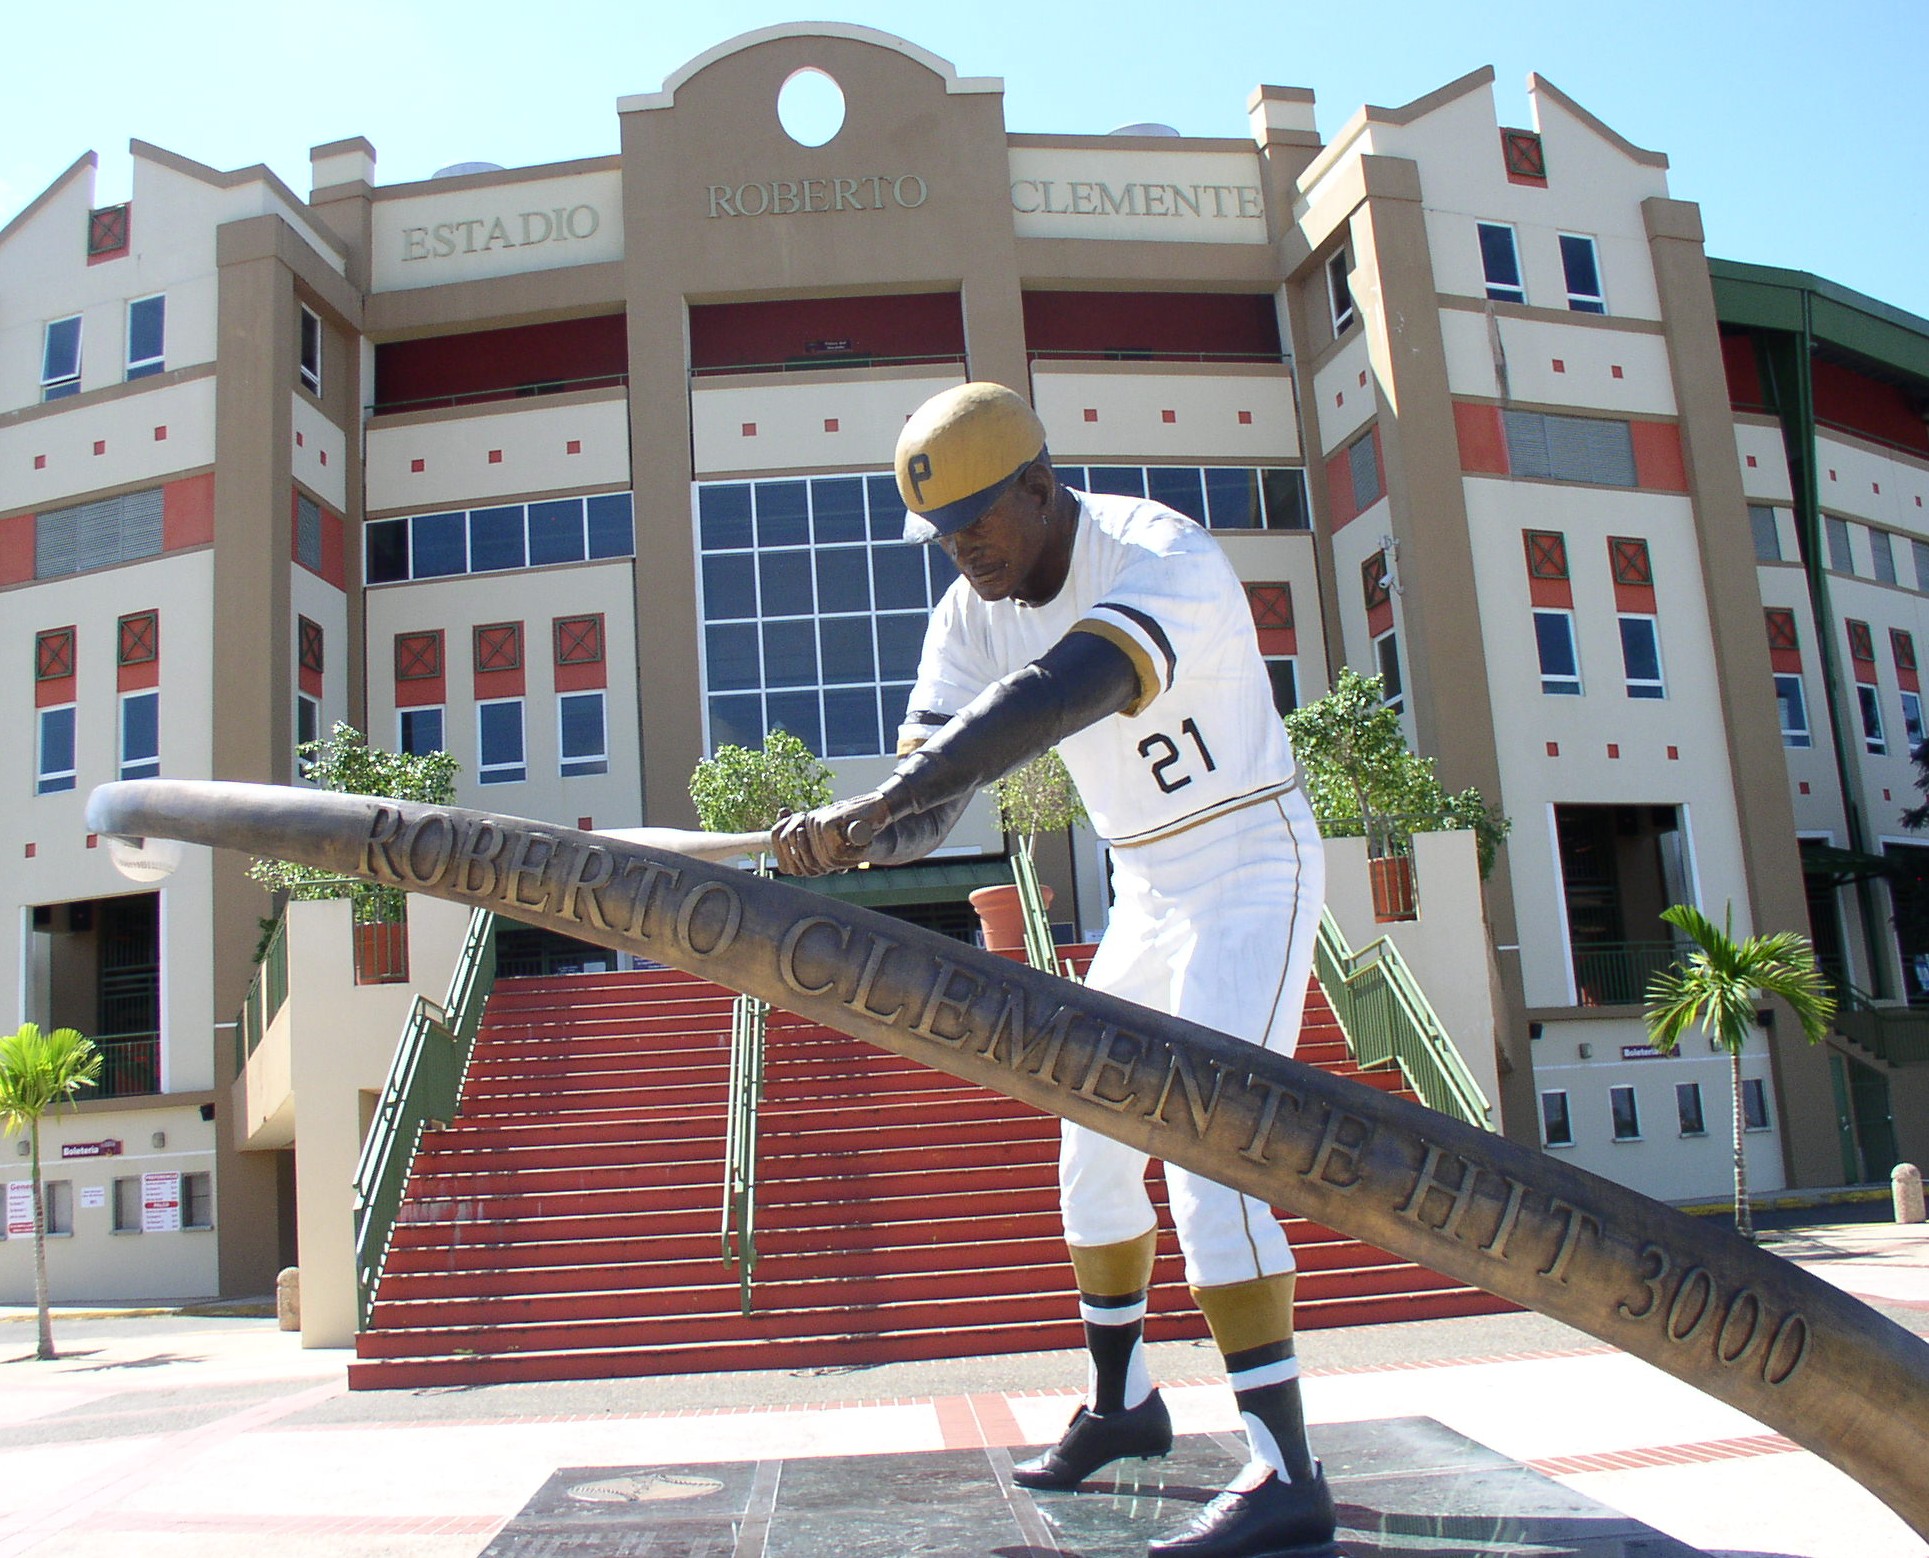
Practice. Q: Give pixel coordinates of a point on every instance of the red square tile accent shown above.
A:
(1614, 749)
(1831, 476)
(750, 430)
(1887, 796)
(1674, 754)
(495, 457)
(93, 841)
(1553, 749)
(574, 446)
(1362, 378)
(100, 447)
(1559, 366)
(40, 464)
(1246, 420)
(1339, 397)
(1615, 370)
(1877, 486)
(1091, 413)
(830, 424)
(160, 434)
(587, 824)
(1751, 462)
(1804, 787)
(1168, 415)
(322, 455)
(32, 850)
(299, 440)
(417, 467)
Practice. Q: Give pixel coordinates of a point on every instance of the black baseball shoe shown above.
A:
(1276, 1519)
(1092, 1440)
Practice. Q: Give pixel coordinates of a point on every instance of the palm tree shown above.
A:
(38, 1072)
(1716, 989)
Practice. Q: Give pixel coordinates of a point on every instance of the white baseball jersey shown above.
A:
(1200, 739)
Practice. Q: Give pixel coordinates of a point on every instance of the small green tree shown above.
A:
(1715, 989)
(39, 1072)
(1362, 781)
(738, 790)
(1038, 798)
(344, 762)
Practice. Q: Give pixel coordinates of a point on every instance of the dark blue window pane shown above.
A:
(839, 508)
(729, 586)
(850, 722)
(56, 750)
(898, 572)
(421, 731)
(1554, 637)
(1578, 263)
(723, 516)
(895, 699)
(495, 539)
(900, 640)
(1641, 654)
(499, 742)
(387, 551)
(140, 727)
(938, 568)
(785, 577)
(556, 532)
(887, 508)
(147, 333)
(796, 712)
(1178, 487)
(1128, 480)
(61, 359)
(440, 544)
(1285, 489)
(730, 654)
(843, 579)
(781, 516)
(1072, 476)
(737, 722)
(580, 718)
(1500, 261)
(790, 654)
(1232, 498)
(612, 532)
(848, 655)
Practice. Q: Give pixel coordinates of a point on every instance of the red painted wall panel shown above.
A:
(1658, 466)
(16, 549)
(1339, 489)
(187, 512)
(1745, 391)
(1483, 441)
(740, 335)
(1847, 399)
(1217, 324)
(486, 364)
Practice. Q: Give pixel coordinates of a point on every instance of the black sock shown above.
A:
(1114, 1336)
(1265, 1386)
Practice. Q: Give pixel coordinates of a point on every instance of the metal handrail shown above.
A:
(423, 1087)
(1040, 950)
(267, 993)
(1617, 973)
(749, 1024)
(1894, 1033)
(1387, 1019)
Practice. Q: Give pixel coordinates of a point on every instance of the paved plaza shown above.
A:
(217, 1435)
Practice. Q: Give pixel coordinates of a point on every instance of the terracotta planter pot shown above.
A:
(1394, 897)
(1002, 917)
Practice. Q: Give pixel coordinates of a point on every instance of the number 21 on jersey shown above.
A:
(1163, 753)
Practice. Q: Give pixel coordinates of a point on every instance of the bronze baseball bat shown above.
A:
(1742, 1324)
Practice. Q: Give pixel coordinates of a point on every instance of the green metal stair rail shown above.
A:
(424, 1085)
(1896, 1035)
(749, 1023)
(1040, 951)
(265, 997)
(1385, 1017)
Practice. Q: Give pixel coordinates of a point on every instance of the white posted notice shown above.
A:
(20, 1209)
(160, 1203)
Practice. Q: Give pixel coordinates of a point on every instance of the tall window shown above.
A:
(1841, 558)
(1557, 1125)
(1793, 703)
(500, 757)
(1687, 1108)
(1560, 660)
(1386, 655)
(146, 336)
(60, 359)
(1339, 295)
(1882, 556)
(127, 1204)
(140, 735)
(309, 362)
(56, 766)
(489, 540)
(307, 729)
(1641, 657)
(1754, 1104)
(419, 731)
(1582, 266)
(583, 738)
(1626, 1116)
(1500, 263)
(1220, 497)
(1870, 703)
(1768, 536)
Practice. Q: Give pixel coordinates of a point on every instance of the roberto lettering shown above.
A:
(806, 197)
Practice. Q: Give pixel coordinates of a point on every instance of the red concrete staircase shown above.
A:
(566, 1226)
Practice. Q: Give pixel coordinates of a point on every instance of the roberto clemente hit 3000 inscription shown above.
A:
(1742, 1324)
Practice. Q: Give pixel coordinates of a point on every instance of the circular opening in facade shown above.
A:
(810, 107)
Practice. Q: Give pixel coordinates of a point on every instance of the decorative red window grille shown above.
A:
(107, 230)
(53, 656)
(1272, 605)
(310, 640)
(1904, 646)
(1861, 641)
(1546, 554)
(139, 639)
(1525, 156)
(1632, 565)
(1781, 628)
(1373, 581)
(418, 656)
(499, 646)
(579, 640)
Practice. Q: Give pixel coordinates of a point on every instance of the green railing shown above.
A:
(130, 1064)
(266, 996)
(423, 1087)
(1616, 973)
(1898, 1035)
(1386, 1018)
(1040, 951)
(749, 1022)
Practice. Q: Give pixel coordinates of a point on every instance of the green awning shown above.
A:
(935, 881)
(1842, 866)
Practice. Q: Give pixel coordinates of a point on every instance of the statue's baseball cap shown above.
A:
(960, 453)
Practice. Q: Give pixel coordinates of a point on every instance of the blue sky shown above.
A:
(1798, 128)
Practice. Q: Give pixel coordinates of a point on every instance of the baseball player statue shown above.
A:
(1115, 629)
